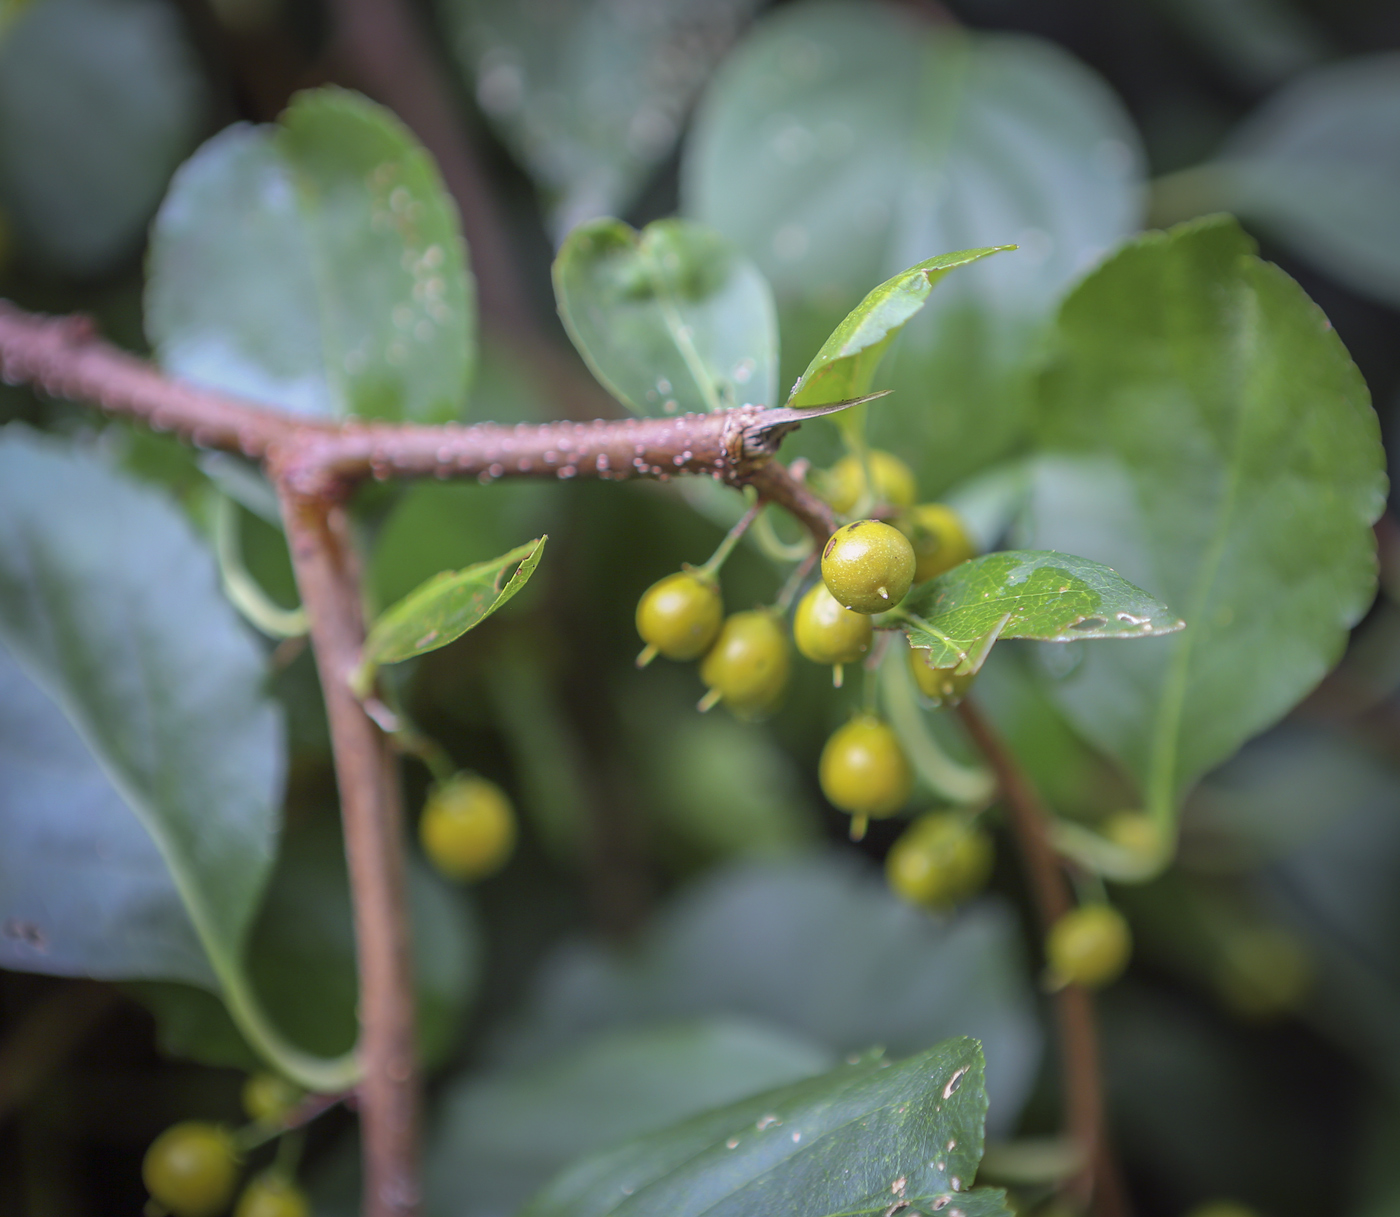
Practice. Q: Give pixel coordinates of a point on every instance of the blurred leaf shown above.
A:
(343, 280)
(845, 366)
(1208, 436)
(500, 1133)
(852, 1141)
(1053, 597)
(589, 95)
(448, 605)
(804, 944)
(147, 734)
(1318, 166)
(672, 320)
(99, 101)
(301, 957)
(842, 142)
(1263, 42)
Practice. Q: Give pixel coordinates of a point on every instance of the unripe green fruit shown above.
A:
(1262, 972)
(1136, 833)
(863, 770)
(868, 566)
(939, 861)
(680, 615)
(938, 684)
(748, 666)
(845, 481)
(191, 1168)
(467, 828)
(1088, 946)
(828, 632)
(940, 542)
(268, 1097)
(1222, 1208)
(272, 1195)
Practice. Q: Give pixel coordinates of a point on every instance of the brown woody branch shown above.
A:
(1079, 1043)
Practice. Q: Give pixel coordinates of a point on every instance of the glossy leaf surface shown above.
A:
(1027, 594)
(150, 710)
(589, 96)
(343, 281)
(801, 944)
(853, 1141)
(1207, 435)
(845, 366)
(448, 605)
(672, 320)
(842, 142)
(99, 101)
(504, 1131)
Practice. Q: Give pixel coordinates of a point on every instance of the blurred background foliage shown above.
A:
(684, 922)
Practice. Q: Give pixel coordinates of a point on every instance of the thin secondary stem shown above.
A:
(323, 560)
(1050, 891)
(731, 539)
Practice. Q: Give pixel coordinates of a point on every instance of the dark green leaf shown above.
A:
(99, 101)
(1210, 438)
(672, 320)
(343, 282)
(1318, 167)
(803, 944)
(854, 1141)
(590, 97)
(845, 366)
(503, 1132)
(448, 605)
(1053, 597)
(842, 142)
(152, 738)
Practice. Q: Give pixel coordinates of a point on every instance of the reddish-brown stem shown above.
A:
(1078, 1035)
(371, 813)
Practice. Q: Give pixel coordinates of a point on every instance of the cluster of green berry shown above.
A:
(192, 1168)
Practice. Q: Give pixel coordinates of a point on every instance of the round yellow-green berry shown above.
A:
(680, 615)
(748, 666)
(940, 542)
(1088, 946)
(868, 566)
(844, 483)
(191, 1169)
(467, 828)
(863, 770)
(939, 861)
(828, 632)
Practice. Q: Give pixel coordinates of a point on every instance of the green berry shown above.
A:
(940, 542)
(863, 770)
(1135, 833)
(468, 828)
(191, 1169)
(748, 666)
(828, 632)
(868, 566)
(679, 616)
(1088, 946)
(272, 1195)
(1262, 972)
(1222, 1208)
(938, 684)
(844, 483)
(939, 861)
(268, 1097)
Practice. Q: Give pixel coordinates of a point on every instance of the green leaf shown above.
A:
(671, 320)
(500, 1133)
(802, 944)
(301, 959)
(448, 605)
(1318, 166)
(1052, 597)
(842, 141)
(99, 101)
(141, 809)
(589, 97)
(342, 273)
(845, 366)
(1207, 435)
(853, 1141)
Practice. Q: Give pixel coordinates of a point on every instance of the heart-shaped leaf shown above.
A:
(1206, 433)
(855, 1141)
(1052, 597)
(342, 275)
(446, 607)
(845, 366)
(149, 717)
(672, 319)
